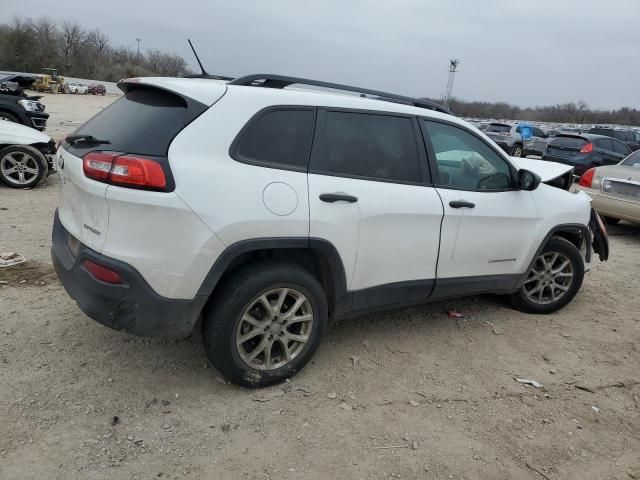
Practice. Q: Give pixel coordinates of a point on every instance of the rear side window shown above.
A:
(605, 144)
(144, 121)
(278, 138)
(620, 147)
(370, 146)
(493, 127)
(602, 131)
(569, 141)
(633, 160)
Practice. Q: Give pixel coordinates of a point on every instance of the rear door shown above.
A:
(370, 196)
(487, 225)
(620, 150)
(606, 149)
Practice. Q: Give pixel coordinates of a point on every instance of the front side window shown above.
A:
(466, 162)
(632, 160)
(279, 138)
(370, 146)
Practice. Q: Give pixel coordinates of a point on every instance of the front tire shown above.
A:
(264, 323)
(22, 166)
(553, 280)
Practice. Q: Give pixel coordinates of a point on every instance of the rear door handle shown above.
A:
(338, 197)
(461, 204)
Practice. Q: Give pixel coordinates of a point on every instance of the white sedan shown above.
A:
(78, 88)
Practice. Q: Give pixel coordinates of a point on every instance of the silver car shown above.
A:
(507, 136)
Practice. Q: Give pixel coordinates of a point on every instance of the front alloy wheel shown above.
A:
(21, 166)
(549, 279)
(553, 279)
(516, 151)
(274, 329)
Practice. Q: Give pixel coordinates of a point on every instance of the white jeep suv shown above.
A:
(269, 211)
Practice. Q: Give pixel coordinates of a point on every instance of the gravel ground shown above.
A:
(402, 394)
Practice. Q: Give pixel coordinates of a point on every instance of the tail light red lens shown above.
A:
(138, 171)
(587, 178)
(102, 273)
(125, 170)
(588, 148)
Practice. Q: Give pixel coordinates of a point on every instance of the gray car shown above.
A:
(507, 136)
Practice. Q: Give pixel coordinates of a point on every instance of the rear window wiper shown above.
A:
(73, 139)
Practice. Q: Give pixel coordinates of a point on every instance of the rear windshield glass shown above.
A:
(569, 141)
(144, 121)
(602, 131)
(632, 160)
(498, 128)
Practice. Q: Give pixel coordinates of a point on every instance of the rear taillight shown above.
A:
(138, 171)
(588, 148)
(102, 273)
(124, 170)
(587, 178)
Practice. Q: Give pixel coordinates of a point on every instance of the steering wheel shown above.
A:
(485, 182)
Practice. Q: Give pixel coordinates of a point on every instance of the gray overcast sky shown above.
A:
(531, 52)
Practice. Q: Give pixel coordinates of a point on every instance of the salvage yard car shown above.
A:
(269, 212)
(23, 109)
(26, 155)
(615, 189)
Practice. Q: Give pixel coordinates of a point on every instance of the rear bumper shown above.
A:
(132, 306)
(610, 206)
(579, 167)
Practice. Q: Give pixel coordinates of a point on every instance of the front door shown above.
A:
(487, 225)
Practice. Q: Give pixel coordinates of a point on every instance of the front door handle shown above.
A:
(461, 204)
(338, 197)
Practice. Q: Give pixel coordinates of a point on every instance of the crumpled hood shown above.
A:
(15, 134)
(546, 170)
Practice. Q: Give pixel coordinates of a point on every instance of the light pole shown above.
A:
(138, 40)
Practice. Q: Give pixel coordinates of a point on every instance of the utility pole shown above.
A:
(453, 68)
(138, 40)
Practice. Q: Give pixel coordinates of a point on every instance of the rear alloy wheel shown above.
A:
(516, 151)
(264, 323)
(22, 166)
(553, 280)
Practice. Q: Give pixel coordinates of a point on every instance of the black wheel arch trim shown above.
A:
(325, 248)
(583, 230)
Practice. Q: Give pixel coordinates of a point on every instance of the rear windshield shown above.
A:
(632, 160)
(602, 131)
(492, 127)
(569, 141)
(144, 121)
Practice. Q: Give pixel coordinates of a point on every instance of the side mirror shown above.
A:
(528, 180)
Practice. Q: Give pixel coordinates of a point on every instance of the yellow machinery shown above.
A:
(49, 81)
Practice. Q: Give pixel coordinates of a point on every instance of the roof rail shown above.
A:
(280, 81)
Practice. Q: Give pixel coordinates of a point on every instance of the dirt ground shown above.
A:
(406, 394)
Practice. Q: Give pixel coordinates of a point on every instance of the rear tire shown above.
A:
(553, 280)
(253, 312)
(611, 220)
(516, 150)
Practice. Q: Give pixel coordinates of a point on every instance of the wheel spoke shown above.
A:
(252, 321)
(267, 355)
(296, 306)
(266, 304)
(563, 275)
(540, 293)
(296, 338)
(10, 158)
(9, 171)
(21, 177)
(564, 288)
(285, 348)
(248, 336)
(298, 319)
(258, 349)
(553, 292)
(564, 265)
(33, 171)
(553, 260)
(281, 299)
